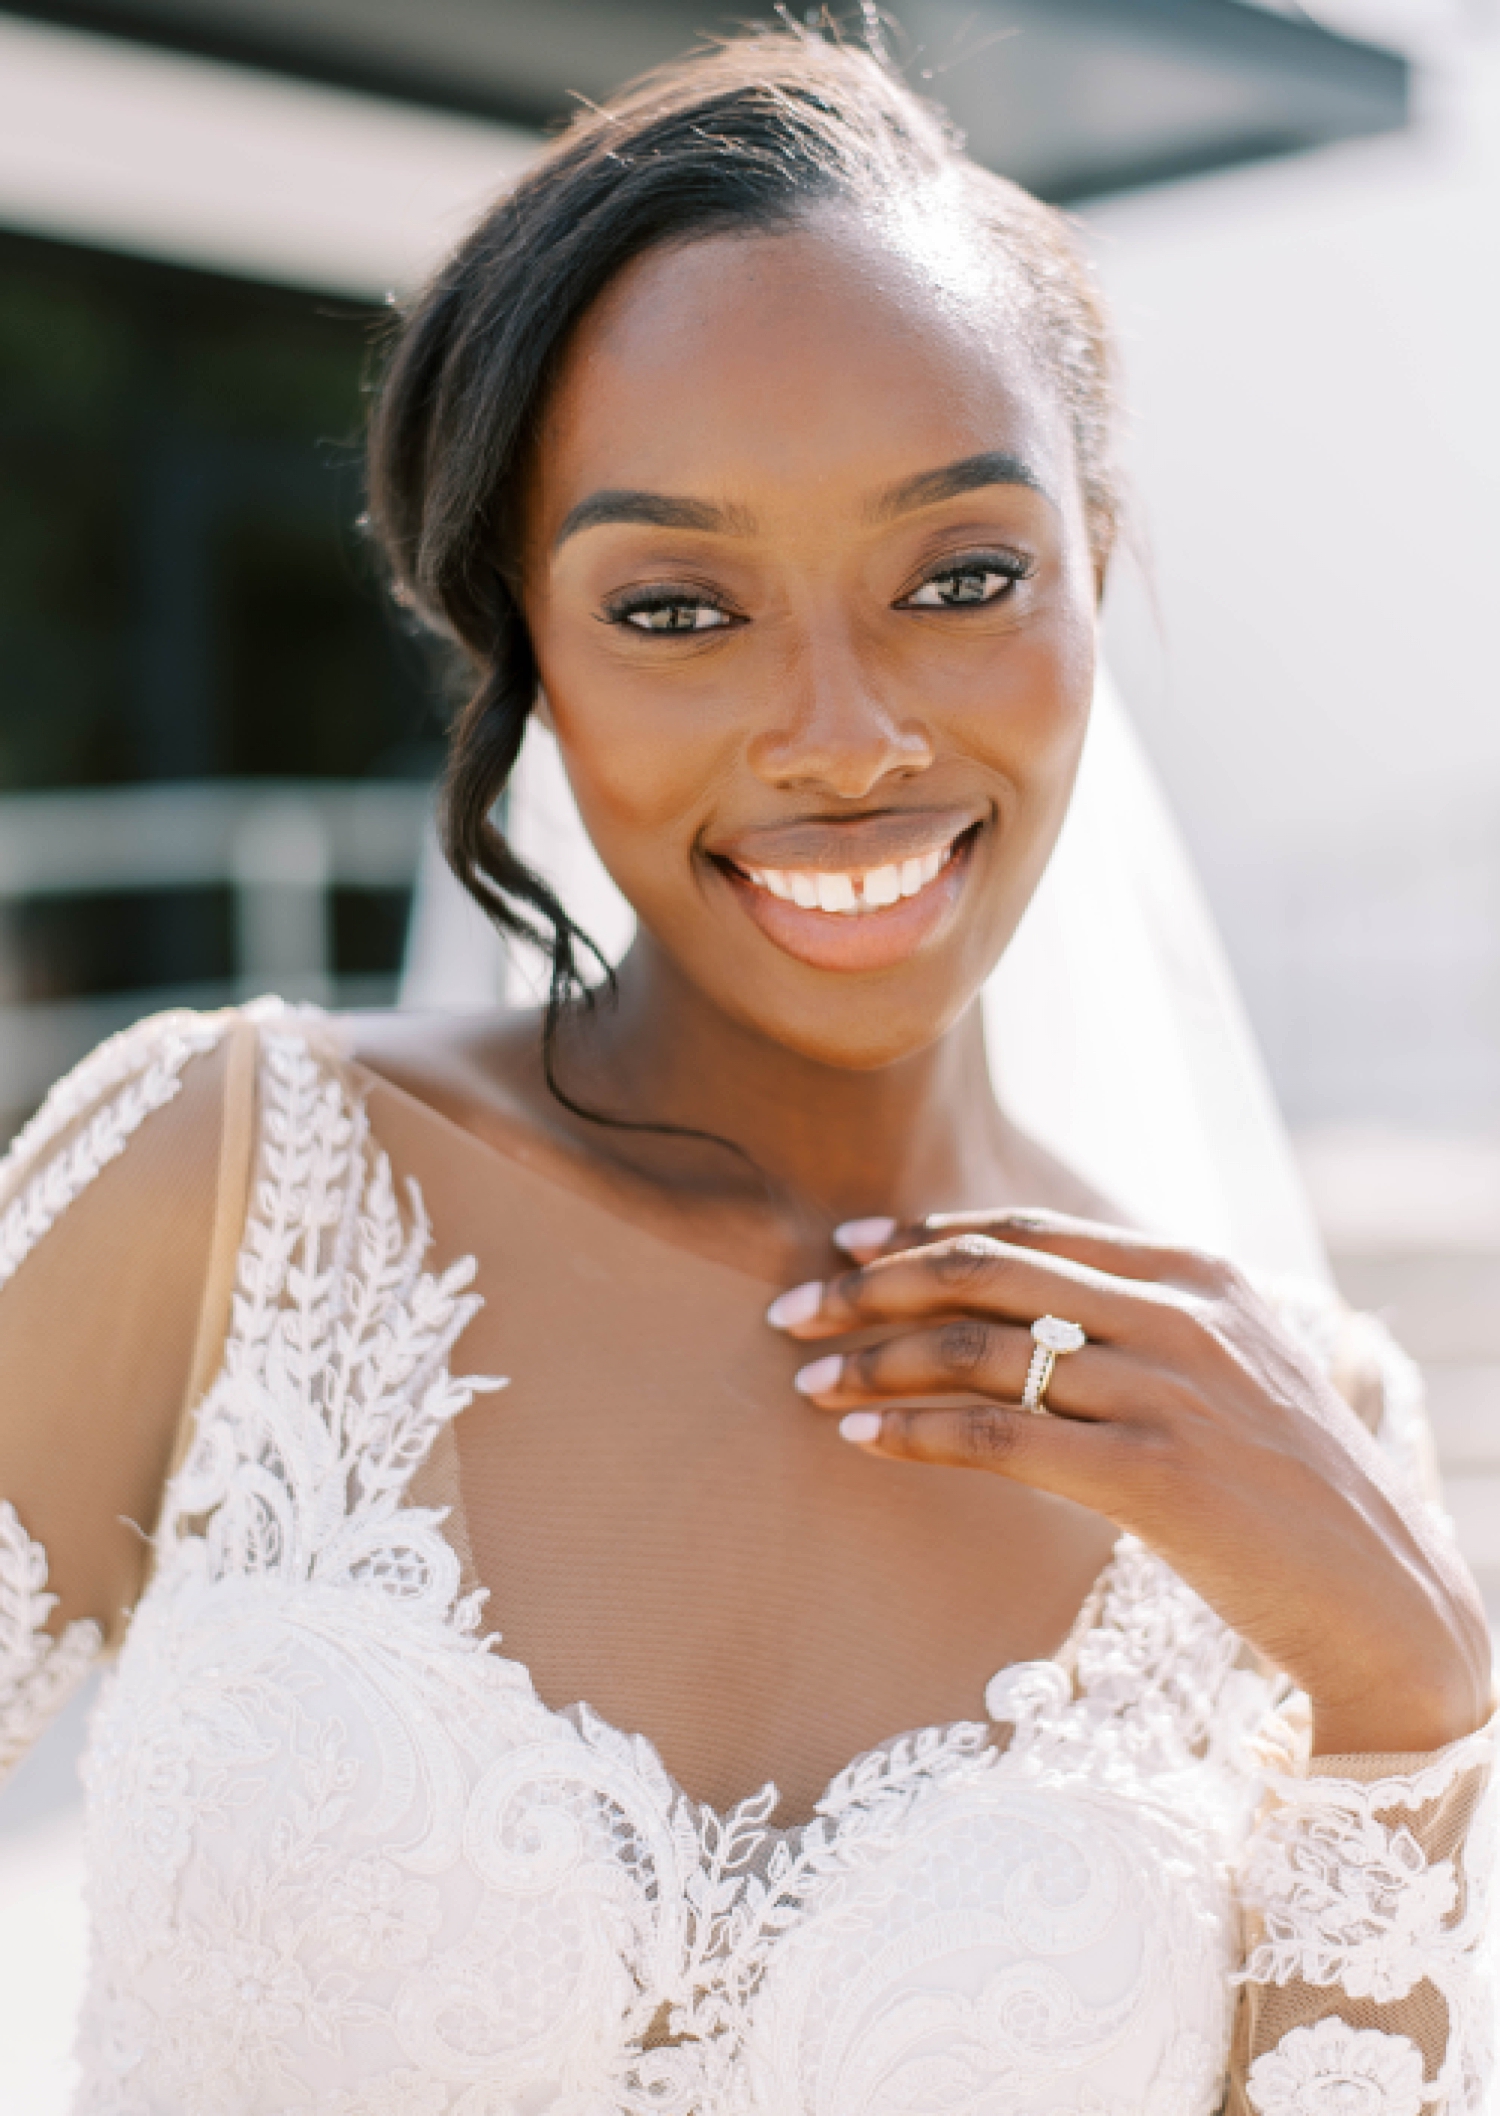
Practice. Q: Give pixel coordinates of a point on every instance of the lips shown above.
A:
(834, 914)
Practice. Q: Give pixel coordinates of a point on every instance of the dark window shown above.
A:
(185, 594)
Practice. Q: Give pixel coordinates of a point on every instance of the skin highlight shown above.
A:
(753, 661)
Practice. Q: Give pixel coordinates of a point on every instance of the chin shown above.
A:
(863, 1037)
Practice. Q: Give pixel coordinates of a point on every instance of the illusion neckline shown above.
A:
(577, 1711)
(587, 1200)
(576, 1714)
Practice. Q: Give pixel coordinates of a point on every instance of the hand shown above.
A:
(1191, 1419)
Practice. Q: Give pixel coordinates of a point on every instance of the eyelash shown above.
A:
(640, 602)
(1006, 566)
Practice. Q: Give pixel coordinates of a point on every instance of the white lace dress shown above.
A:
(343, 1861)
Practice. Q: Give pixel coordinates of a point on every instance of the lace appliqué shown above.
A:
(149, 1059)
(1331, 2068)
(335, 1379)
(286, 1556)
(38, 1673)
(1158, 1686)
(1345, 1891)
(1346, 1898)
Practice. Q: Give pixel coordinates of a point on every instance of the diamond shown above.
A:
(1056, 1335)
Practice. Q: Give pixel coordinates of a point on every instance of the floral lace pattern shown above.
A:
(38, 1673)
(1343, 1895)
(1331, 2069)
(343, 1861)
(148, 1060)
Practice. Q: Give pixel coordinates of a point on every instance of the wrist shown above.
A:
(1398, 1724)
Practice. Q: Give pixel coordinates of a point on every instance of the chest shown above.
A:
(669, 1530)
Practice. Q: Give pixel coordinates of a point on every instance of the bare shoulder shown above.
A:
(101, 1304)
(482, 1071)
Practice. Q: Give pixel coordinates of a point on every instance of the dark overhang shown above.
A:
(1073, 97)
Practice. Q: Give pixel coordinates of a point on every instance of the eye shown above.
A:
(656, 612)
(967, 585)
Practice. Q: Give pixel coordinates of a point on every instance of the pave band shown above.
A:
(1053, 1338)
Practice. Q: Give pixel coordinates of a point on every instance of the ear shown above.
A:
(541, 710)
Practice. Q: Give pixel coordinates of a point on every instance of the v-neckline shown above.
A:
(727, 1820)
(1086, 1621)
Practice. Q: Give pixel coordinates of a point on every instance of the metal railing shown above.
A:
(279, 846)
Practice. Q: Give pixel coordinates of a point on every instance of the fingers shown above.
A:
(975, 1274)
(1075, 1461)
(971, 1356)
(1123, 1252)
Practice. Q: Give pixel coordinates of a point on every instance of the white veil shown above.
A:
(1115, 1032)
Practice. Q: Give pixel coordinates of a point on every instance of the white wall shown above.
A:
(1313, 357)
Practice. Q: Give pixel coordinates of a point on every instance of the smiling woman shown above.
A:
(758, 444)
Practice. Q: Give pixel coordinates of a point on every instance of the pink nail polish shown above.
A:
(800, 1305)
(861, 1427)
(820, 1375)
(854, 1235)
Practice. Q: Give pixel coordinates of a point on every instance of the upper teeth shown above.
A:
(868, 890)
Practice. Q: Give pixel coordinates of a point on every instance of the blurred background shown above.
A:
(217, 743)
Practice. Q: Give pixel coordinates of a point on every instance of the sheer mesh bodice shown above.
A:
(350, 1852)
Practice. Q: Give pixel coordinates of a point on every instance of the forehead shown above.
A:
(818, 360)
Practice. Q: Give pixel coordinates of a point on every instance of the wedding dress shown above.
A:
(343, 1858)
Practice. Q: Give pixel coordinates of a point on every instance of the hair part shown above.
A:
(751, 136)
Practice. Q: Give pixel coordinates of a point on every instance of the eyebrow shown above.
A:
(657, 510)
(663, 510)
(969, 474)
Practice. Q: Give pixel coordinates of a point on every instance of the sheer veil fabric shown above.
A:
(1116, 1035)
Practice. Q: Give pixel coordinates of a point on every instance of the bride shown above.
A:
(906, 1638)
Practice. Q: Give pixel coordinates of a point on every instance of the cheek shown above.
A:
(1022, 710)
(641, 775)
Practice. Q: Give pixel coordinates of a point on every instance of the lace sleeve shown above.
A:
(38, 1673)
(106, 1200)
(1368, 1983)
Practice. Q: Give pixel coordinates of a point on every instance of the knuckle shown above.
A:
(1030, 1219)
(964, 1346)
(861, 1370)
(968, 1261)
(1207, 1272)
(988, 1435)
(1156, 1464)
(1182, 1321)
(898, 1432)
(846, 1294)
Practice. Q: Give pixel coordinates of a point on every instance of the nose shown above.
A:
(833, 731)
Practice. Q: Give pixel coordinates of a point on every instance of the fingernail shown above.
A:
(861, 1427)
(820, 1376)
(863, 1234)
(800, 1305)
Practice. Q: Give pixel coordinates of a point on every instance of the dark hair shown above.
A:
(751, 135)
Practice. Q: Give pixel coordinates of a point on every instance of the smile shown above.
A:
(856, 917)
(853, 893)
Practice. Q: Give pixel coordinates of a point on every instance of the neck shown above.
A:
(921, 1135)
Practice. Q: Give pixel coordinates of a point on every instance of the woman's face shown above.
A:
(807, 571)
